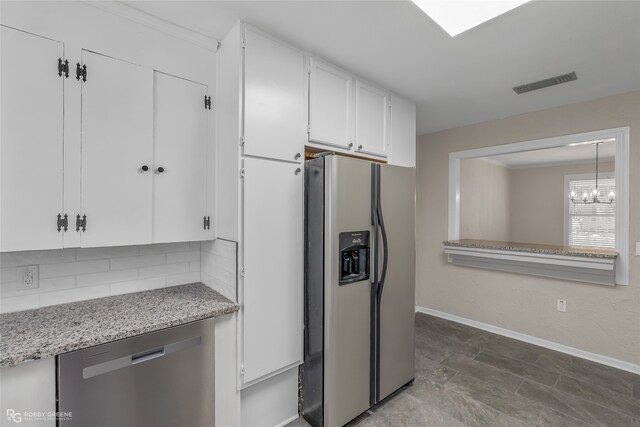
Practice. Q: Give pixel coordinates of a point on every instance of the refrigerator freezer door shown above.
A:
(347, 308)
(397, 198)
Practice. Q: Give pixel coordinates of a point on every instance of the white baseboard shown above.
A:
(605, 360)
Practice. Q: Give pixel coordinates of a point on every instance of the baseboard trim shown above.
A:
(287, 421)
(594, 357)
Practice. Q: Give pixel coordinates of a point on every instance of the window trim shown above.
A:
(621, 135)
(572, 177)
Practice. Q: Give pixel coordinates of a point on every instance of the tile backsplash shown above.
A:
(68, 275)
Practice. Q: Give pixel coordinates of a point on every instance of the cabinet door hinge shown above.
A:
(242, 272)
(242, 173)
(309, 129)
(81, 223)
(63, 222)
(244, 43)
(63, 68)
(207, 102)
(242, 141)
(242, 371)
(81, 72)
(207, 223)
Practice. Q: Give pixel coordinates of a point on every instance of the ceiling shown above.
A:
(571, 154)
(454, 81)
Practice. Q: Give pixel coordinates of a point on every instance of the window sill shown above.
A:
(561, 262)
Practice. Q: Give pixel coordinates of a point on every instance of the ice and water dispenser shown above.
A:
(354, 257)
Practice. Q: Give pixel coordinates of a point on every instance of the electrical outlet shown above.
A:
(28, 277)
(562, 305)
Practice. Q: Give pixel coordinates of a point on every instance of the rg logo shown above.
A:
(14, 416)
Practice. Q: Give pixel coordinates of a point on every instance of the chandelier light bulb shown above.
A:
(612, 195)
(572, 195)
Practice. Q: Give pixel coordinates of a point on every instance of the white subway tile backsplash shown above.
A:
(106, 253)
(138, 285)
(7, 275)
(165, 248)
(57, 283)
(138, 261)
(75, 294)
(107, 277)
(178, 279)
(163, 270)
(73, 268)
(14, 259)
(25, 302)
(183, 257)
(76, 274)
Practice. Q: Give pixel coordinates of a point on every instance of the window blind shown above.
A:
(592, 225)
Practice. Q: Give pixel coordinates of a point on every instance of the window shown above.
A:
(590, 225)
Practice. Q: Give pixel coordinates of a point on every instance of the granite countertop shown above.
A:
(534, 248)
(49, 331)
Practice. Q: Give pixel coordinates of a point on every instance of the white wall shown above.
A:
(599, 319)
(484, 200)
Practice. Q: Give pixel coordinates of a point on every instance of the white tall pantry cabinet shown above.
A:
(262, 185)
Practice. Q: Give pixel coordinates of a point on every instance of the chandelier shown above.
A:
(594, 195)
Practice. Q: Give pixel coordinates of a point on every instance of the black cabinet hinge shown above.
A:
(207, 223)
(63, 68)
(81, 71)
(81, 223)
(207, 102)
(63, 222)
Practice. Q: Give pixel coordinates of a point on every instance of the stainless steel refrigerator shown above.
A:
(359, 287)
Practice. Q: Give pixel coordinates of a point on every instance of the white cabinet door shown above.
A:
(274, 95)
(31, 148)
(180, 152)
(403, 132)
(273, 266)
(372, 119)
(117, 142)
(330, 105)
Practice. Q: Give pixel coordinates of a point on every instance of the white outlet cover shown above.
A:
(27, 277)
(562, 305)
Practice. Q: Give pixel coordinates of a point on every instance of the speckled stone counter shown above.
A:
(534, 248)
(49, 331)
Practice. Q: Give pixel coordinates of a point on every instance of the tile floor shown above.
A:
(469, 377)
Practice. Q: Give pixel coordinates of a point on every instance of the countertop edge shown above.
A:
(34, 353)
(577, 252)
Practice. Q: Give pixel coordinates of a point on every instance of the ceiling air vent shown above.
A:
(565, 78)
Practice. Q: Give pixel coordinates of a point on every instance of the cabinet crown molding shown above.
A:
(131, 13)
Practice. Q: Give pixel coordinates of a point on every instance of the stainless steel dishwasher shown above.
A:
(160, 379)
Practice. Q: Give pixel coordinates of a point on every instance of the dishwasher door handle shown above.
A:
(137, 358)
(147, 355)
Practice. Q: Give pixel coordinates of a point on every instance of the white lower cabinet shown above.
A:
(117, 152)
(31, 144)
(272, 288)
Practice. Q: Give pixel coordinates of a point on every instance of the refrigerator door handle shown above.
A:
(385, 243)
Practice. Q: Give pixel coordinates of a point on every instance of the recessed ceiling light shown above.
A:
(458, 16)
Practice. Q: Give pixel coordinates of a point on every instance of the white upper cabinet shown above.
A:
(274, 99)
(330, 105)
(371, 120)
(273, 266)
(117, 152)
(31, 148)
(180, 160)
(403, 132)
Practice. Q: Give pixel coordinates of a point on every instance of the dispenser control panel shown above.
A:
(354, 257)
